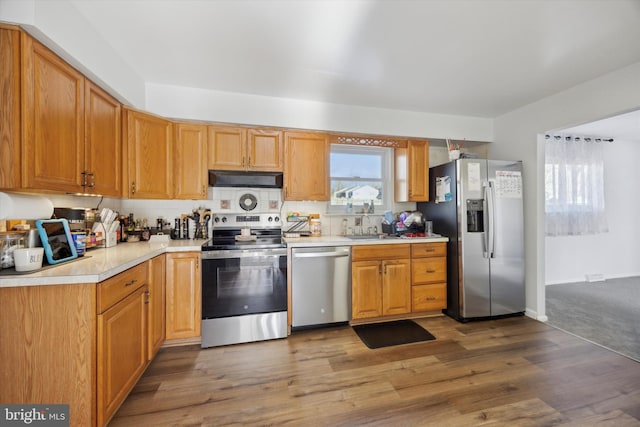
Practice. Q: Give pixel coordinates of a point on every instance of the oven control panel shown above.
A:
(253, 220)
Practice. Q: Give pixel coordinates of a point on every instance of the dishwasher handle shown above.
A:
(321, 255)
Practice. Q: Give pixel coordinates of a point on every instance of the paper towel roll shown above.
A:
(24, 206)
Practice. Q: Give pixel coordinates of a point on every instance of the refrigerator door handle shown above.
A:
(491, 235)
(485, 220)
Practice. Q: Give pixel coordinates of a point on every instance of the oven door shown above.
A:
(241, 282)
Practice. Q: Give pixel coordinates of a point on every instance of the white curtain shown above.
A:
(574, 186)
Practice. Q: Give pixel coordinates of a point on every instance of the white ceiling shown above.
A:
(625, 127)
(464, 57)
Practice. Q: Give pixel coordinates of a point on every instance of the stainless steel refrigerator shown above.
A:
(478, 205)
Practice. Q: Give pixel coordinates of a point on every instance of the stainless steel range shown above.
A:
(244, 278)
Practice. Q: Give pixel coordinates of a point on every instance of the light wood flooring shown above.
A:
(515, 371)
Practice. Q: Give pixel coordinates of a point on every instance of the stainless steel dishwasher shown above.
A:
(320, 285)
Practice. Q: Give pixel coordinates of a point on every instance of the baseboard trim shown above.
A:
(534, 315)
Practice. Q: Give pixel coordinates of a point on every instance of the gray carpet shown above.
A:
(606, 313)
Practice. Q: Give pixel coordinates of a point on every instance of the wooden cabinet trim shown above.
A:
(10, 135)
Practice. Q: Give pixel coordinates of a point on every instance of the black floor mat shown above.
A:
(378, 335)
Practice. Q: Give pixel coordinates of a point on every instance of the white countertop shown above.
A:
(293, 242)
(99, 264)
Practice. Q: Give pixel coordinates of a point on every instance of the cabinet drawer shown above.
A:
(118, 287)
(427, 270)
(429, 297)
(424, 250)
(373, 252)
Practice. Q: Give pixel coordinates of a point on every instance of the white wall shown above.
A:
(613, 254)
(226, 107)
(58, 25)
(517, 135)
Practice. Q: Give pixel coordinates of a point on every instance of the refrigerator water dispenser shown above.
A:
(475, 216)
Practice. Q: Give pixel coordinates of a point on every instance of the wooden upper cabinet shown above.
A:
(265, 150)
(103, 148)
(412, 172)
(190, 161)
(10, 109)
(53, 118)
(226, 148)
(71, 129)
(306, 166)
(149, 147)
(242, 149)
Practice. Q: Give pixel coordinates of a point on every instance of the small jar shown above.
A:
(315, 226)
(9, 241)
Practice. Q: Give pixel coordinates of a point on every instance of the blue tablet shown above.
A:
(56, 240)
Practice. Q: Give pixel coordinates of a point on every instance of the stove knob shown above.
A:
(270, 219)
(277, 219)
(216, 219)
(224, 219)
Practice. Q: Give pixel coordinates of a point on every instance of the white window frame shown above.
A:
(386, 155)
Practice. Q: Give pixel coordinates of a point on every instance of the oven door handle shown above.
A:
(227, 254)
(321, 255)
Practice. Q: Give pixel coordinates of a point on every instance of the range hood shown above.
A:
(245, 179)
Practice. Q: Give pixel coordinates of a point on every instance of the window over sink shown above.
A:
(360, 176)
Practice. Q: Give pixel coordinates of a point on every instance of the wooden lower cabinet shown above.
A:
(428, 276)
(122, 351)
(157, 304)
(183, 316)
(396, 289)
(48, 348)
(380, 280)
(366, 292)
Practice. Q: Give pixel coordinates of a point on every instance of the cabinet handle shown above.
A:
(242, 161)
(133, 187)
(93, 179)
(431, 271)
(84, 178)
(431, 298)
(131, 282)
(249, 163)
(430, 250)
(203, 191)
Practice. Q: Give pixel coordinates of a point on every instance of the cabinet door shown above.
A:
(306, 166)
(122, 351)
(53, 112)
(103, 144)
(366, 289)
(190, 161)
(418, 152)
(265, 150)
(183, 318)
(396, 287)
(10, 109)
(226, 150)
(156, 304)
(149, 142)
